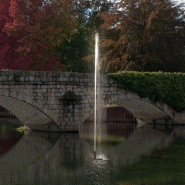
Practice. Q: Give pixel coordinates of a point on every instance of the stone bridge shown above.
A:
(55, 101)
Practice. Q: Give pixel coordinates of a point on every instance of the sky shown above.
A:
(179, 1)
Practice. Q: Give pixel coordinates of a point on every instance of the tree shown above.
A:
(77, 51)
(74, 50)
(144, 35)
(9, 58)
(39, 26)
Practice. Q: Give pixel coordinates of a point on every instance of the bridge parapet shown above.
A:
(50, 78)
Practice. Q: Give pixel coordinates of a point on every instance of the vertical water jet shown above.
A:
(95, 89)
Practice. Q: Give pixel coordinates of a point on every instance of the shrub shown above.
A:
(157, 86)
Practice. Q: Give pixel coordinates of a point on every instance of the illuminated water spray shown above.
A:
(95, 90)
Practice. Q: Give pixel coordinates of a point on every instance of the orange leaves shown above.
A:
(110, 20)
(139, 34)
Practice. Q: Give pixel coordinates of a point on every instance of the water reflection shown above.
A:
(67, 159)
(8, 134)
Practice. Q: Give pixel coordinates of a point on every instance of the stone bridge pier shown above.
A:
(55, 101)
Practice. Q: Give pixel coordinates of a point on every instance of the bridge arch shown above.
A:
(25, 112)
(142, 108)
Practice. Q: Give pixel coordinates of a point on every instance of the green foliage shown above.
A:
(157, 86)
(20, 129)
(76, 52)
(73, 50)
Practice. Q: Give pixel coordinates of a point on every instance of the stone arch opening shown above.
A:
(119, 119)
(26, 113)
(7, 117)
(4, 113)
(144, 110)
(117, 114)
(111, 120)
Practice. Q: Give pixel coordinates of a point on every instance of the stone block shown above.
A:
(54, 90)
(51, 86)
(123, 96)
(5, 78)
(85, 101)
(44, 90)
(10, 77)
(6, 93)
(28, 99)
(38, 78)
(38, 90)
(11, 93)
(49, 90)
(113, 92)
(22, 79)
(51, 98)
(49, 94)
(34, 94)
(35, 90)
(52, 107)
(40, 96)
(42, 86)
(57, 94)
(62, 90)
(31, 78)
(59, 86)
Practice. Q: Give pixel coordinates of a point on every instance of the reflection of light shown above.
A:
(99, 163)
(101, 157)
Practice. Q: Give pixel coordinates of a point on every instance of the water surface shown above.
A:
(128, 157)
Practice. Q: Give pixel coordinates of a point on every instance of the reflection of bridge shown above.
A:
(42, 158)
(57, 101)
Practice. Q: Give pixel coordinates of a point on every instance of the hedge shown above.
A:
(157, 86)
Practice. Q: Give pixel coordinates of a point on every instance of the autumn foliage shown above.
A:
(8, 56)
(30, 31)
(145, 35)
(142, 35)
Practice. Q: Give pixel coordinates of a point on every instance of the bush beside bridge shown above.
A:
(157, 86)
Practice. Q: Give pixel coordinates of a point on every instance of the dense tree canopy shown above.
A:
(144, 35)
(9, 58)
(38, 27)
(72, 52)
(77, 51)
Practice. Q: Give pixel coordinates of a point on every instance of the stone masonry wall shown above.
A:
(40, 94)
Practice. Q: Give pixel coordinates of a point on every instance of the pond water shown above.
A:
(141, 156)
